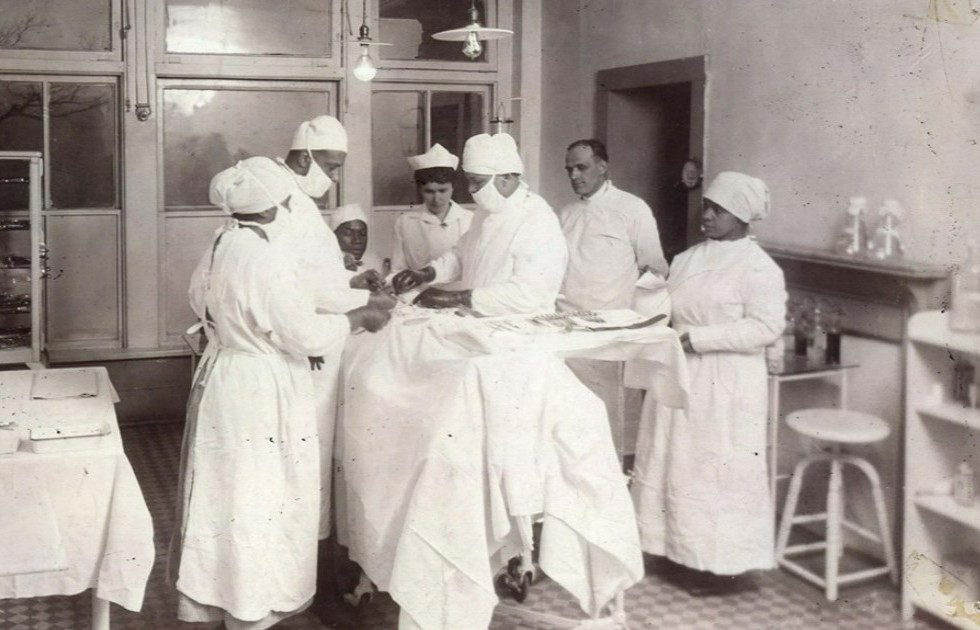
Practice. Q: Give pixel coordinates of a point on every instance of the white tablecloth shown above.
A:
(447, 431)
(81, 510)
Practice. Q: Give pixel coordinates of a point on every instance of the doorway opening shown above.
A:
(651, 117)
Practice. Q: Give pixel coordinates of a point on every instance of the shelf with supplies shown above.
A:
(21, 258)
(941, 506)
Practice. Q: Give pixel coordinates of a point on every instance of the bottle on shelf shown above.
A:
(817, 346)
(965, 312)
(833, 327)
(853, 238)
(802, 337)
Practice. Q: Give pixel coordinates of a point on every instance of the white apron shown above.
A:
(249, 507)
(701, 486)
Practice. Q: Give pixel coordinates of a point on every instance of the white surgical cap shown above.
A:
(343, 214)
(249, 187)
(744, 196)
(323, 133)
(484, 154)
(435, 157)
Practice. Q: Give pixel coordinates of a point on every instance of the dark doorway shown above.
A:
(651, 117)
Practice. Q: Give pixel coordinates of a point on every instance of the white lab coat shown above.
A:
(611, 236)
(250, 493)
(701, 486)
(421, 238)
(322, 264)
(513, 259)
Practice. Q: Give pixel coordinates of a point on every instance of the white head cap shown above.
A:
(435, 157)
(249, 187)
(744, 196)
(343, 214)
(323, 133)
(484, 154)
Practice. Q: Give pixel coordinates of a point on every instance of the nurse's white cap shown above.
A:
(484, 154)
(343, 214)
(249, 187)
(323, 133)
(436, 157)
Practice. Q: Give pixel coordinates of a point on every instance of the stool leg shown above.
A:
(833, 530)
(882, 514)
(789, 509)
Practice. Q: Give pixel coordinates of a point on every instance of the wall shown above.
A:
(823, 100)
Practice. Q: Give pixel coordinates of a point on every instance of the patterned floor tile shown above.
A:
(781, 602)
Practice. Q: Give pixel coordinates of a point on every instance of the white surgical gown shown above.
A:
(513, 258)
(701, 486)
(250, 496)
(326, 278)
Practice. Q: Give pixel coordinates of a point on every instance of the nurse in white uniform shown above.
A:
(249, 503)
(425, 234)
(701, 487)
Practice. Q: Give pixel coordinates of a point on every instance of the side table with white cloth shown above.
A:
(73, 516)
(453, 425)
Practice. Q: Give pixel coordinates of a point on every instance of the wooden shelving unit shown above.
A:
(940, 433)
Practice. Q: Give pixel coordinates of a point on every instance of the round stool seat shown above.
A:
(839, 425)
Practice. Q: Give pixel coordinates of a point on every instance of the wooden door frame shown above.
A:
(687, 70)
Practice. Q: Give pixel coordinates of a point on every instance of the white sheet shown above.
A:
(448, 432)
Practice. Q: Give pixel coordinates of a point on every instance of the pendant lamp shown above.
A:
(364, 68)
(472, 34)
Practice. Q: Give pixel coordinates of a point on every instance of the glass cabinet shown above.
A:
(21, 257)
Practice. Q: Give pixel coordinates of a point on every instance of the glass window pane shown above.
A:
(250, 27)
(208, 130)
(454, 117)
(397, 132)
(83, 25)
(21, 129)
(82, 168)
(409, 24)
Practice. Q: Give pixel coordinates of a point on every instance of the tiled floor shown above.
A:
(781, 601)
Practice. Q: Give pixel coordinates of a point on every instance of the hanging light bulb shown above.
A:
(472, 34)
(472, 47)
(364, 69)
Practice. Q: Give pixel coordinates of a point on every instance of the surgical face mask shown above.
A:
(315, 183)
(489, 198)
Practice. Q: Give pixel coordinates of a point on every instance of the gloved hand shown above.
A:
(369, 279)
(370, 319)
(440, 298)
(382, 301)
(408, 279)
(316, 363)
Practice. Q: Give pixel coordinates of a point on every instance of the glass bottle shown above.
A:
(853, 237)
(833, 336)
(801, 333)
(965, 313)
(817, 346)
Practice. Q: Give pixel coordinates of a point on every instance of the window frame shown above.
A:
(489, 89)
(221, 65)
(114, 54)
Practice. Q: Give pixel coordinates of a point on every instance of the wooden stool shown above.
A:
(838, 427)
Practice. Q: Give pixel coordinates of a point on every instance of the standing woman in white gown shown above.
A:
(701, 488)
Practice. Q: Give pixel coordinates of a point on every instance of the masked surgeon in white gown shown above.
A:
(512, 259)
(701, 487)
(316, 156)
(246, 547)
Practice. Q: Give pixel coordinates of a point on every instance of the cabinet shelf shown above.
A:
(945, 506)
(952, 412)
(932, 328)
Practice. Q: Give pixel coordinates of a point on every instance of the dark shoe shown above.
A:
(706, 584)
(513, 582)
